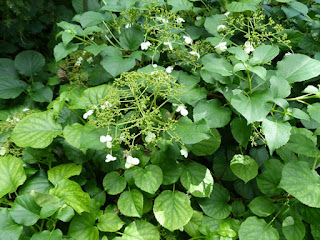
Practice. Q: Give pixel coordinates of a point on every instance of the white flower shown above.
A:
(3, 151)
(169, 44)
(25, 109)
(150, 136)
(221, 47)
(107, 139)
(17, 119)
(184, 152)
(187, 40)
(180, 20)
(163, 20)
(198, 18)
(226, 14)
(128, 25)
(90, 60)
(79, 61)
(221, 27)
(145, 45)
(154, 65)
(195, 53)
(87, 114)
(288, 53)
(169, 69)
(110, 158)
(248, 47)
(131, 161)
(182, 109)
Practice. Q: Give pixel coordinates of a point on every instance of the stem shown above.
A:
(315, 161)
(303, 97)
(75, 113)
(199, 237)
(274, 218)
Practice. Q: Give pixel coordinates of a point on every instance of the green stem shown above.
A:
(75, 113)
(315, 161)
(281, 209)
(199, 237)
(303, 97)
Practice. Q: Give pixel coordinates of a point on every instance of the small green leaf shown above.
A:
(148, 179)
(48, 235)
(302, 183)
(217, 205)
(262, 206)
(41, 93)
(7, 69)
(12, 174)
(308, 148)
(269, 180)
(255, 107)
(72, 194)
(243, 5)
(63, 171)
(208, 146)
(116, 65)
(241, 131)
(25, 210)
(96, 49)
(314, 111)
(140, 230)
(217, 64)
(109, 222)
(192, 228)
(254, 228)
(172, 209)
(131, 38)
(293, 229)
(113, 183)
(36, 130)
(82, 227)
(29, 62)
(180, 5)
(118, 5)
(200, 130)
(60, 51)
(130, 203)
(244, 167)
(264, 54)
(280, 87)
(8, 228)
(277, 133)
(197, 179)
(213, 112)
(298, 68)
(11, 87)
(91, 18)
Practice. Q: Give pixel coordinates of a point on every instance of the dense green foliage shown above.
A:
(177, 119)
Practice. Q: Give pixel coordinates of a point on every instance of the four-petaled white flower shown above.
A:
(154, 65)
(150, 136)
(131, 161)
(184, 152)
(106, 139)
(195, 53)
(180, 20)
(169, 69)
(169, 44)
(188, 40)
(182, 109)
(221, 47)
(145, 45)
(248, 47)
(221, 27)
(90, 60)
(87, 114)
(3, 151)
(110, 158)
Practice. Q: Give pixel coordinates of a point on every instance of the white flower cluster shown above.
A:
(107, 104)
(79, 61)
(248, 47)
(169, 44)
(106, 139)
(184, 152)
(14, 119)
(110, 158)
(182, 109)
(187, 40)
(180, 20)
(145, 45)
(87, 114)
(221, 47)
(131, 161)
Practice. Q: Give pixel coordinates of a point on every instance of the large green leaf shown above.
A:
(244, 167)
(60, 51)
(192, 132)
(172, 209)
(63, 171)
(36, 130)
(113, 183)
(38, 182)
(29, 62)
(109, 222)
(140, 230)
(293, 229)
(255, 107)
(91, 18)
(197, 179)
(180, 5)
(131, 38)
(298, 68)
(11, 87)
(213, 112)
(48, 235)
(269, 180)
(130, 203)
(308, 148)
(264, 54)
(243, 5)
(7, 68)
(314, 111)
(118, 5)
(192, 227)
(82, 227)
(9, 230)
(115, 65)
(241, 131)
(148, 179)
(208, 146)
(277, 133)
(25, 210)
(12, 174)
(72, 194)
(217, 64)
(257, 229)
(302, 183)
(262, 206)
(217, 205)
